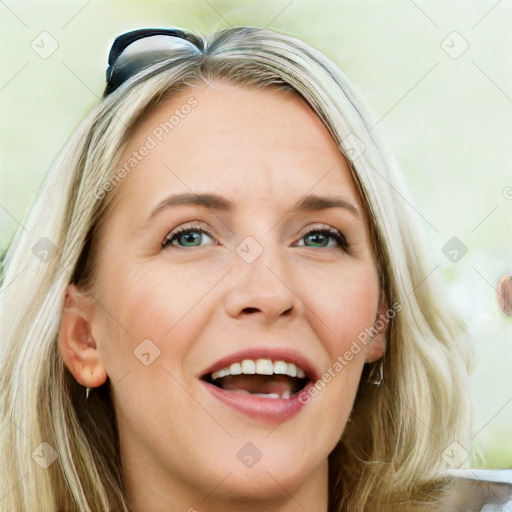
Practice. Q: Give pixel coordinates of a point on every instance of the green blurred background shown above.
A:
(438, 74)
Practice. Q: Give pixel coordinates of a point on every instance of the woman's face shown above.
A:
(223, 246)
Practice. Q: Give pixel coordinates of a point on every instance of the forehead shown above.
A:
(251, 144)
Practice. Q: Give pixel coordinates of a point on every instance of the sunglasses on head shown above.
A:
(130, 54)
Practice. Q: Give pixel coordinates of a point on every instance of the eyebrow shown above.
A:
(216, 202)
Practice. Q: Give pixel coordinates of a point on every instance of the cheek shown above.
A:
(345, 303)
(341, 308)
(146, 331)
(149, 302)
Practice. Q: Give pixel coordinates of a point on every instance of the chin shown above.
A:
(261, 486)
(271, 478)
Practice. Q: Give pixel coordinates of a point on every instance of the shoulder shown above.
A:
(478, 490)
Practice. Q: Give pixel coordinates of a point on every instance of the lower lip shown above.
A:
(270, 410)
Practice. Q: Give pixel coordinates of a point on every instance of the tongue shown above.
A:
(259, 384)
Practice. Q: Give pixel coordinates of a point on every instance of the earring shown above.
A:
(87, 391)
(376, 376)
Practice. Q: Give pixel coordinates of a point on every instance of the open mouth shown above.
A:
(260, 377)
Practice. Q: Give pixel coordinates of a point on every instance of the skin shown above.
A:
(200, 303)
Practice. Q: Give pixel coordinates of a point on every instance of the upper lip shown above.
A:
(272, 353)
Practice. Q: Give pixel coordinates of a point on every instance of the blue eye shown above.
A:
(186, 237)
(320, 238)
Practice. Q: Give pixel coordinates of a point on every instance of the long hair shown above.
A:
(59, 454)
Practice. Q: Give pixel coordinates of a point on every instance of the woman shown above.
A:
(220, 301)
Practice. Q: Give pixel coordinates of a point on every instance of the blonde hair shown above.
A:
(391, 450)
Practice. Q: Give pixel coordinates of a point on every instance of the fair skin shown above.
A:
(199, 302)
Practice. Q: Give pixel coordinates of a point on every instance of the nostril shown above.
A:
(250, 310)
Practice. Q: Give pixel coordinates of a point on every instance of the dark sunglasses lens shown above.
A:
(118, 73)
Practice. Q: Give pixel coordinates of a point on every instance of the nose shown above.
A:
(263, 290)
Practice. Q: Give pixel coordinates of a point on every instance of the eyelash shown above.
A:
(178, 231)
(331, 232)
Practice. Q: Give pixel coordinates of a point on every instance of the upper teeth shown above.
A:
(260, 367)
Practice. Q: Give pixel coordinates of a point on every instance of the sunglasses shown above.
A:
(130, 54)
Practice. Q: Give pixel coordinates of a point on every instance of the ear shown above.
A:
(377, 345)
(77, 347)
